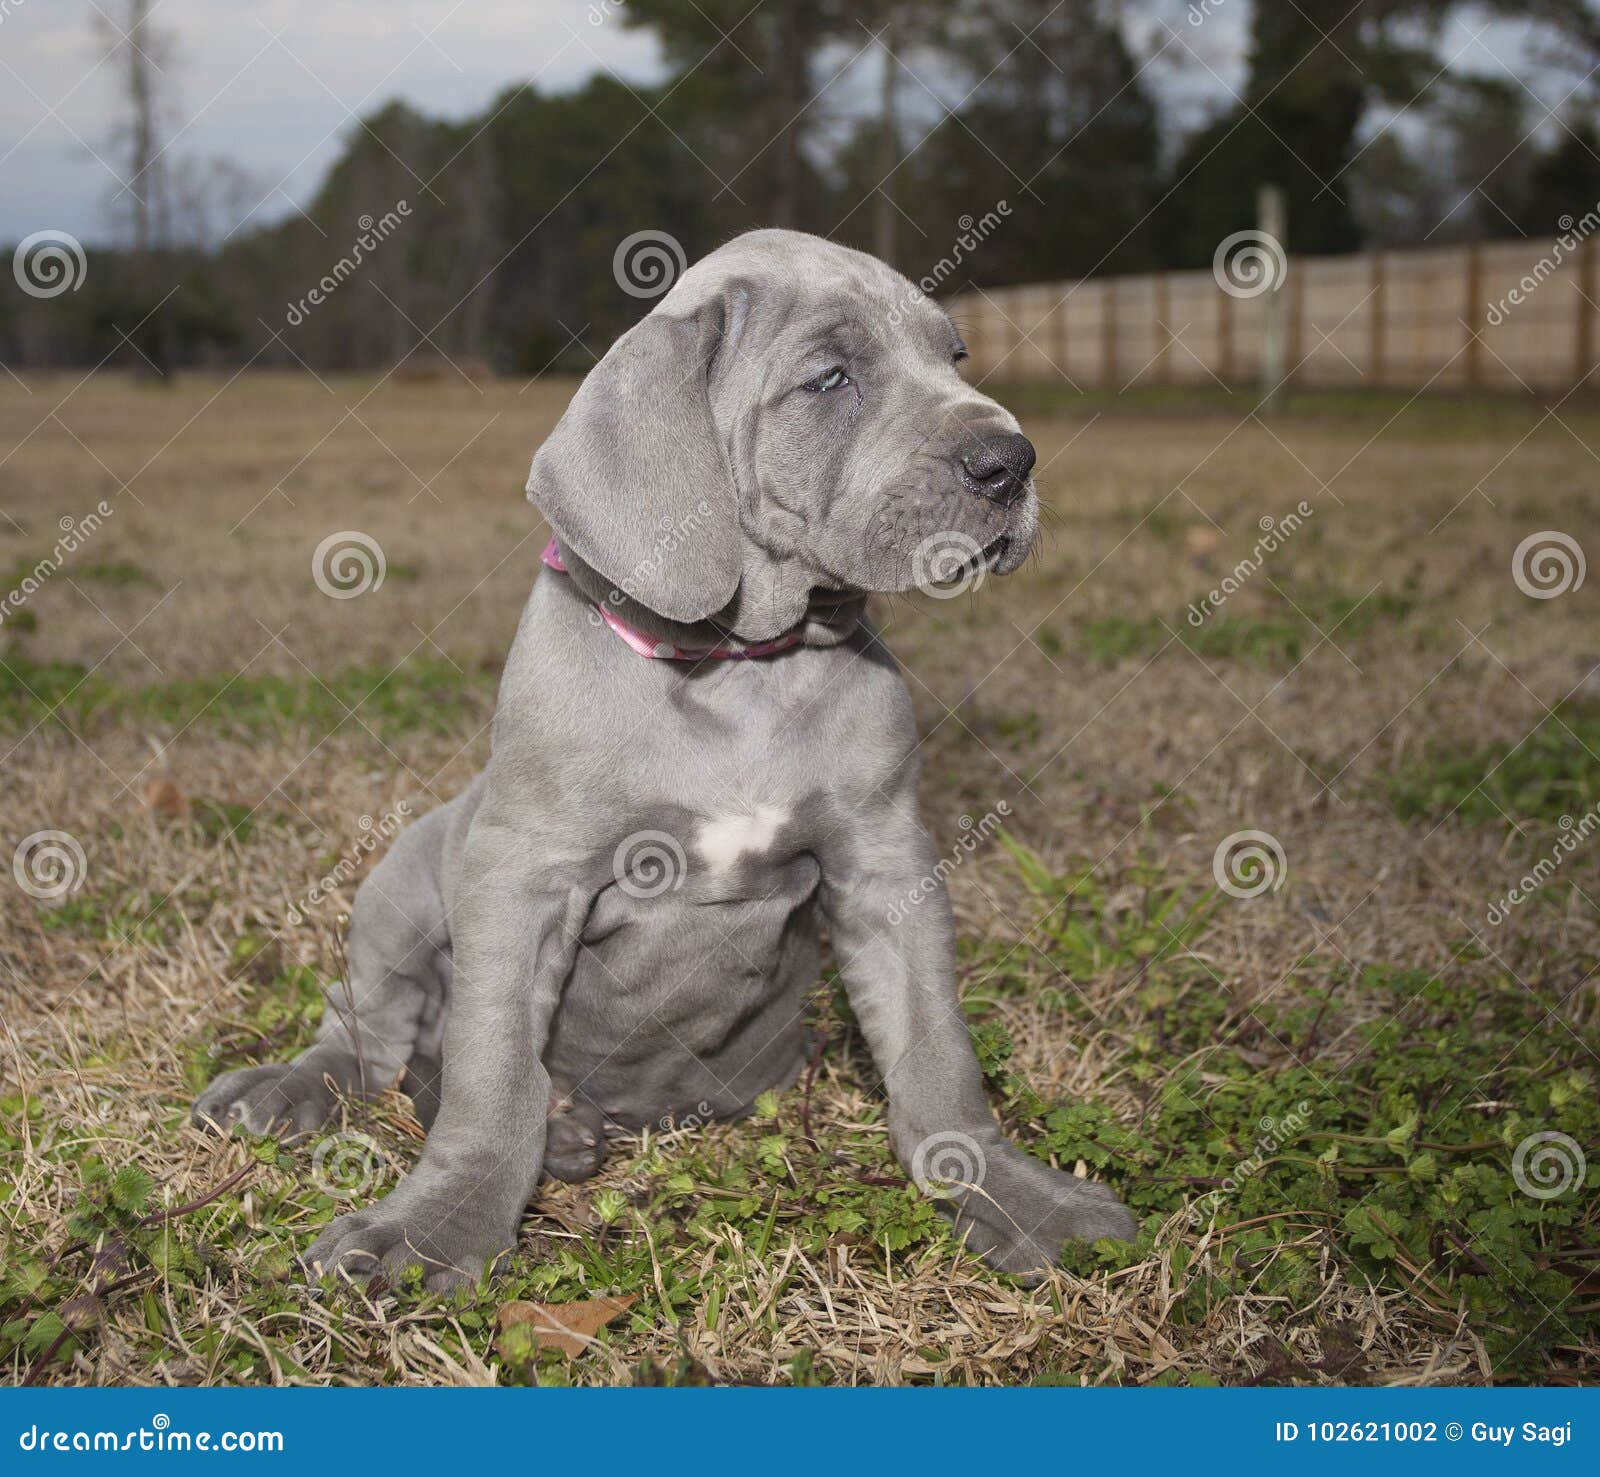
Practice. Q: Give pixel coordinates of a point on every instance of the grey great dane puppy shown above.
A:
(620, 920)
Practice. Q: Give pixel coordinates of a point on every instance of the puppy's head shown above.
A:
(786, 428)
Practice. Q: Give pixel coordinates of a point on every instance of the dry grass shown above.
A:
(1114, 744)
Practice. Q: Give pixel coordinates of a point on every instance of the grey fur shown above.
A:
(518, 933)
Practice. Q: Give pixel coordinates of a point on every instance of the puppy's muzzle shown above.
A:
(996, 467)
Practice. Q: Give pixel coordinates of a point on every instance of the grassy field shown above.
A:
(1321, 1100)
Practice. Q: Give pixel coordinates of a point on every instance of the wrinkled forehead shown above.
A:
(822, 304)
(856, 325)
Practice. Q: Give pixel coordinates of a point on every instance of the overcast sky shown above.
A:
(272, 84)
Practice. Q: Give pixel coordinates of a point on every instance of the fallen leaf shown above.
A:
(565, 1326)
(164, 798)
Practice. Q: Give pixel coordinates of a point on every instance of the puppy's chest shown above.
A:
(749, 777)
(743, 834)
(727, 848)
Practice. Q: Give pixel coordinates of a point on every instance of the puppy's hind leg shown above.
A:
(575, 1137)
(398, 954)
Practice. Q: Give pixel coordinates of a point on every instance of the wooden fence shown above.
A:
(1514, 315)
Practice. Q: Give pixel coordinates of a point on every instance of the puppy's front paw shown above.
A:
(449, 1239)
(279, 1099)
(1018, 1213)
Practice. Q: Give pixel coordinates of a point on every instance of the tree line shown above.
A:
(491, 241)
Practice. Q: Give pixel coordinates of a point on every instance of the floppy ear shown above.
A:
(635, 479)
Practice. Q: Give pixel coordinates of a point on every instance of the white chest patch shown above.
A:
(725, 838)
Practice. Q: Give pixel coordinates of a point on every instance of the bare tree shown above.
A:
(206, 198)
(141, 55)
(883, 221)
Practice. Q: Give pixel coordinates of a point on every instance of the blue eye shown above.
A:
(832, 380)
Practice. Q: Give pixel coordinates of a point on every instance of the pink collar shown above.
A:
(665, 650)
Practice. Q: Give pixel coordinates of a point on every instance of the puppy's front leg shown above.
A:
(515, 934)
(894, 938)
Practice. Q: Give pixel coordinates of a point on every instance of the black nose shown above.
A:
(997, 467)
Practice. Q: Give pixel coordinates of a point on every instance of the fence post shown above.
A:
(967, 314)
(1271, 211)
(1587, 297)
(1375, 340)
(1108, 293)
(1004, 338)
(1474, 344)
(1163, 305)
(1061, 331)
(1224, 336)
